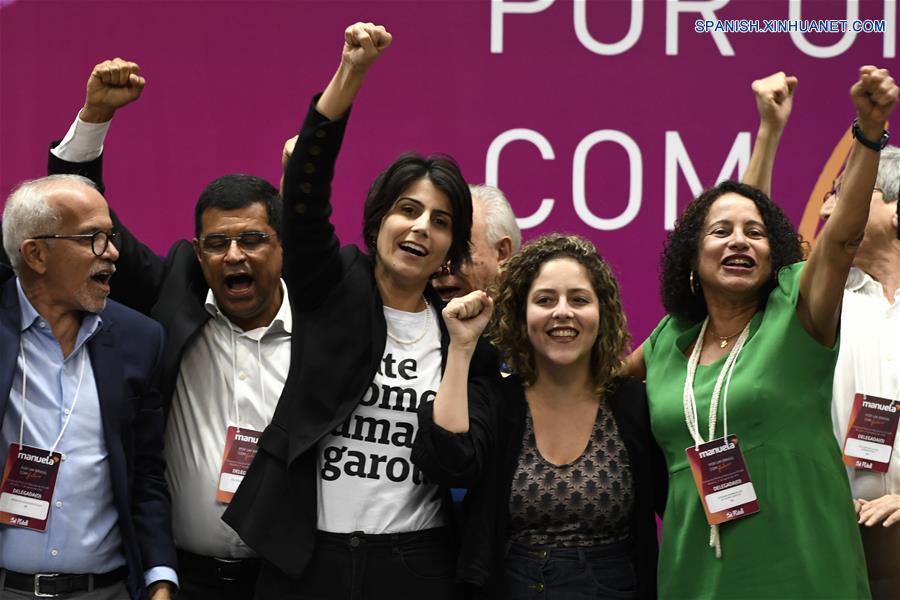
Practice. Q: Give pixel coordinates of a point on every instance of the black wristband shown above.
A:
(876, 146)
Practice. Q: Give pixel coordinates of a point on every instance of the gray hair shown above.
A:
(498, 215)
(888, 178)
(28, 214)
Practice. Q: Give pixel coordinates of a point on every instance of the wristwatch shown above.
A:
(876, 146)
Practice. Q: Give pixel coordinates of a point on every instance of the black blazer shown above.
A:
(485, 458)
(171, 290)
(126, 354)
(339, 340)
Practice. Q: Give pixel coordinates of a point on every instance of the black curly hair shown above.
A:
(679, 257)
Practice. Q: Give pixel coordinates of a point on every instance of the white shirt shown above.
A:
(367, 481)
(227, 377)
(868, 363)
(203, 405)
(83, 141)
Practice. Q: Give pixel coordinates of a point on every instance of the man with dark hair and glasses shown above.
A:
(83, 502)
(228, 321)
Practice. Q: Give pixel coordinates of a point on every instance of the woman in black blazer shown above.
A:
(332, 502)
(563, 472)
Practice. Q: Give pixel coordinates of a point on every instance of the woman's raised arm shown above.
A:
(466, 318)
(363, 44)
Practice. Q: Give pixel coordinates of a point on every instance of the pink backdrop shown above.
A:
(228, 81)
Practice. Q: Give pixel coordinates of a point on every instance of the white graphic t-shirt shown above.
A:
(367, 481)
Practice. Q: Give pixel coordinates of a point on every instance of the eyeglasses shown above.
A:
(99, 239)
(248, 241)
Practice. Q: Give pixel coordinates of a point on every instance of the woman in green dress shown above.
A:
(745, 358)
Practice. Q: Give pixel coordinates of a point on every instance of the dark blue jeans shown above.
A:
(359, 566)
(570, 573)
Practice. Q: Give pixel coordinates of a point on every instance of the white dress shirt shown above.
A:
(227, 377)
(868, 363)
(83, 141)
(222, 365)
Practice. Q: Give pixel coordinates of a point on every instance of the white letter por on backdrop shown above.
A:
(636, 169)
(677, 157)
(502, 7)
(620, 47)
(836, 49)
(707, 9)
(492, 162)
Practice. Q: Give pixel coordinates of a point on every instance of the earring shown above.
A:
(693, 288)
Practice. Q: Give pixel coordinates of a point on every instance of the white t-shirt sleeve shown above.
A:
(83, 142)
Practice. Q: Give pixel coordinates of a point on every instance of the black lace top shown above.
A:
(585, 503)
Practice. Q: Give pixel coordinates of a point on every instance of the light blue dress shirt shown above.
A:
(82, 534)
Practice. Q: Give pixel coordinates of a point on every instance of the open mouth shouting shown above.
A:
(414, 249)
(102, 274)
(447, 292)
(238, 284)
(738, 263)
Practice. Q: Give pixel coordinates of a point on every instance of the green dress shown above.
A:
(804, 541)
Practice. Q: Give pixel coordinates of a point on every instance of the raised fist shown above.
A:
(363, 44)
(112, 84)
(775, 98)
(467, 317)
(875, 96)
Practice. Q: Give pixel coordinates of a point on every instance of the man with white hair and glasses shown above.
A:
(83, 501)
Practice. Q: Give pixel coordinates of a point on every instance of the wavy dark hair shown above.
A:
(509, 330)
(444, 174)
(679, 257)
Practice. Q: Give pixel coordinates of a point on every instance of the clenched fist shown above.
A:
(774, 98)
(875, 96)
(467, 317)
(112, 84)
(363, 44)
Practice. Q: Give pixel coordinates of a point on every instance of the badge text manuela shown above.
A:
(717, 450)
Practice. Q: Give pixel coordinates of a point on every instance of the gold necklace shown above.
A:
(723, 340)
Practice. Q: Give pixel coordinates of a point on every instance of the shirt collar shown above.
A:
(27, 313)
(283, 320)
(90, 322)
(860, 281)
(857, 279)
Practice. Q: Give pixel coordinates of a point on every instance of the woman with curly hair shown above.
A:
(739, 381)
(558, 457)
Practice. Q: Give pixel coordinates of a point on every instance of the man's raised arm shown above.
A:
(111, 85)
